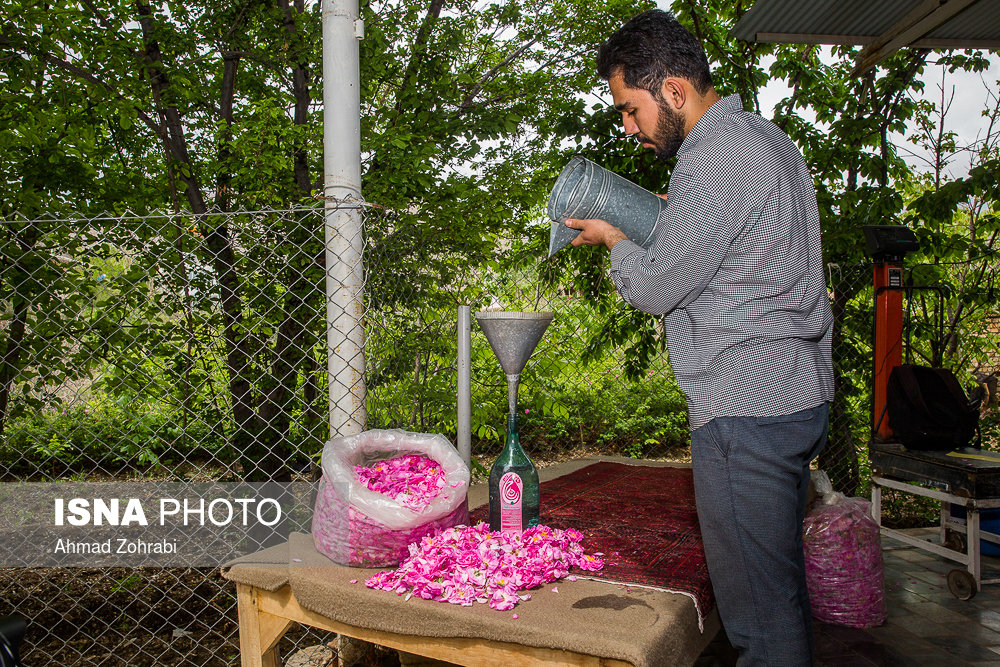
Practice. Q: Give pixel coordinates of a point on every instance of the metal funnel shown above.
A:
(587, 190)
(513, 336)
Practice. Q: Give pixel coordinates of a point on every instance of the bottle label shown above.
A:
(511, 488)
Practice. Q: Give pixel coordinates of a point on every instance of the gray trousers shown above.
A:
(751, 478)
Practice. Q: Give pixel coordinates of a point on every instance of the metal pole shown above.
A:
(465, 384)
(342, 28)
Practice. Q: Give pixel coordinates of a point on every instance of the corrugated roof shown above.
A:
(881, 25)
(823, 18)
(980, 22)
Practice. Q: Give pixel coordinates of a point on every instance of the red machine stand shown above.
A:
(968, 478)
(888, 343)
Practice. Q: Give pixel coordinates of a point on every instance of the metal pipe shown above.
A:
(513, 382)
(465, 384)
(342, 28)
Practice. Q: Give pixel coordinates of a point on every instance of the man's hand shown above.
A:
(595, 232)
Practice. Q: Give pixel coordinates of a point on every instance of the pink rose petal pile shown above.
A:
(468, 564)
(412, 480)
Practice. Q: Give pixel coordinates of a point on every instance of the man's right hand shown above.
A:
(594, 231)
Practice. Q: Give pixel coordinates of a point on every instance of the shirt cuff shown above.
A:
(624, 256)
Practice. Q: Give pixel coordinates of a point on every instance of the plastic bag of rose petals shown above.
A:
(843, 554)
(354, 525)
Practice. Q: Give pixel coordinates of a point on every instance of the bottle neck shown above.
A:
(513, 453)
(511, 425)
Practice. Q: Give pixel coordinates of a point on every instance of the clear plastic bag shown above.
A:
(353, 525)
(843, 554)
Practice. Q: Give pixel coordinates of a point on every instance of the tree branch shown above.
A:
(81, 73)
(223, 178)
(300, 93)
(176, 140)
(492, 74)
(419, 48)
(796, 87)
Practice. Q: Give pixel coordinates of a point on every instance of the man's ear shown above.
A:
(674, 92)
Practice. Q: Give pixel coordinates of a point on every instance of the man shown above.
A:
(735, 266)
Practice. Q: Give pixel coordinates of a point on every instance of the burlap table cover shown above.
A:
(646, 627)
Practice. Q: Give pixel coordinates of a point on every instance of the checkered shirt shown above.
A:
(737, 268)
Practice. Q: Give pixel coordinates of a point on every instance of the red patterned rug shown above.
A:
(643, 520)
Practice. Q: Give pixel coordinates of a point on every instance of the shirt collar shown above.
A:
(715, 114)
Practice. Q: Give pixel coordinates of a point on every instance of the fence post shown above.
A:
(342, 28)
(464, 413)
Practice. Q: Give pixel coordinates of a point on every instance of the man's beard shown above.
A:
(669, 132)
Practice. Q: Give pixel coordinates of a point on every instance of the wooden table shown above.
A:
(647, 626)
(266, 616)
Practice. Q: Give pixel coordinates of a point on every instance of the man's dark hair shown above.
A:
(649, 49)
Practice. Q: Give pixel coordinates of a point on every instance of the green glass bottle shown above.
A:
(513, 486)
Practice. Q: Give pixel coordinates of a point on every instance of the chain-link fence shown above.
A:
(183, 347)
(162, 347)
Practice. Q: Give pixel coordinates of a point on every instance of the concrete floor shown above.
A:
(926, 626)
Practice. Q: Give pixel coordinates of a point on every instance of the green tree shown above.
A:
(207, 110)
(201, 107)
(956, 221)
(469, 111)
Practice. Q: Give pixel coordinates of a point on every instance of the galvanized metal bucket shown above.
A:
(587, 190)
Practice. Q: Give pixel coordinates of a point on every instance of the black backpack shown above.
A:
(11, 633)
(928, 410)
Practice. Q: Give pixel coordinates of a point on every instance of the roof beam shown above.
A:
(924, 18)
(862, 40)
